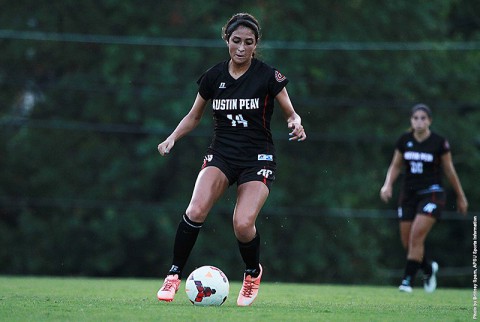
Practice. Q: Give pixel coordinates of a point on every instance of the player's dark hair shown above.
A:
(241, 19)
(422, 107)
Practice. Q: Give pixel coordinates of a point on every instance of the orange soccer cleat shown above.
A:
(169, 288)
(249, 290)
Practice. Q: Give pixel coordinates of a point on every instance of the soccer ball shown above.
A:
(207, 285)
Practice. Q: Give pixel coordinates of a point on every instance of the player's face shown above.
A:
(420, 121)
(242, 45)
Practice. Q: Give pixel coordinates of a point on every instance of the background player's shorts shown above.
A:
(260, 170)
(429, 204)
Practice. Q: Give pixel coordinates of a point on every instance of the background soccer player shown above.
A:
(423, 154)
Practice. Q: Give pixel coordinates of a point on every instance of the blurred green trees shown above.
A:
(89, 89)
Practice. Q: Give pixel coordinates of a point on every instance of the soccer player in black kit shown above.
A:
(423, 154)
(242, 91)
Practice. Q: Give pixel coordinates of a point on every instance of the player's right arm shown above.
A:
(186, 125)
(392, 174)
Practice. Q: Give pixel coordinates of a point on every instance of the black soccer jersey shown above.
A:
(242, 110)
(422, 161)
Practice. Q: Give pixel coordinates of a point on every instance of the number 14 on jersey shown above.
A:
(237, 119)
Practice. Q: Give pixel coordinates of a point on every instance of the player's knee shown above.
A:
(244, 232)
(196, 213)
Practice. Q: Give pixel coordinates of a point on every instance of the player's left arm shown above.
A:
(451, 174)
(294, 121)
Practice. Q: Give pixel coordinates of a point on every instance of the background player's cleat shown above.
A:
(430, 282)
(169, 288)
(249, 290)
(405, 287)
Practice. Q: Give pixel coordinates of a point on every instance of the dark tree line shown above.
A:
(88, 89)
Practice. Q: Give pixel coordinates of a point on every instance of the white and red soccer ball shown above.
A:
(207, 285)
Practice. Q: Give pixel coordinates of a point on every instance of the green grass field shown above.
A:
(92, 299)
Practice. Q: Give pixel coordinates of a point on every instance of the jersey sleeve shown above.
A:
(277, 82)
(445, 146)
(204, 86)
(400, 145)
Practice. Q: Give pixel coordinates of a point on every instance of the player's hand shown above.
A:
(386, 193)
(298, 132)
(462, 205)
(165, 147)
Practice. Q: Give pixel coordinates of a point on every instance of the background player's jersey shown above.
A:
(242, 110)
(422, 161)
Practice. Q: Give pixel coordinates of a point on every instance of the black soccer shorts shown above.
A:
(429, 204)
(260, 170)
